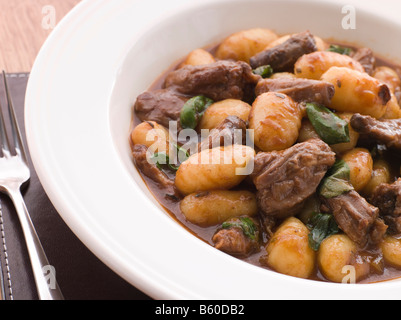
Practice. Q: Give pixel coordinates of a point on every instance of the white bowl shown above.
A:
(78, 112)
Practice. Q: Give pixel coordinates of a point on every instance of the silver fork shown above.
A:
(14, 172)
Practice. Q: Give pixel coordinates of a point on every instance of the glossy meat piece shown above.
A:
(285, 179)
(161, 106)
(234, 241)
(231, 129)
(300, 90)
(387, 132)
(387, 197)
(283, 57)
(366, 58)
(218, 81)
(356, 217)
(150, 170)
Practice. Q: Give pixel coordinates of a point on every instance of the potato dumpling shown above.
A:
(214, 169)
(391, 248)
(245, 44)
(283, 75)
(152, 135)
(381, 174)
(198, 57)
(278, 41)
(357, 92)
(307, 131)
(210, 208)
(288, 251)
(388, 76)
(315, 64)
(360, 163)
(217, 112)
(337, 252)
(393, 110)
(276, 121)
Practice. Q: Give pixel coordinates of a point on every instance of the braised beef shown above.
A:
(217, 81)
(235, 240)
(356, 217)
(387, 197)
(300, 90)
(284, 56)
(161, 106)
(231, 130)
(366, 58)
(285, 179)
(387, 132)
(149, 169)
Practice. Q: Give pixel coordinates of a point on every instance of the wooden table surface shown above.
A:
(24, 27)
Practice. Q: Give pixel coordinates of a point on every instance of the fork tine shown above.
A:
(3, 135)
(18, 143)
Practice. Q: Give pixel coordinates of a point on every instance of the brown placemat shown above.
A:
(80, 275)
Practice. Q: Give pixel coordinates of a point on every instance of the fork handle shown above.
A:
(39, 261)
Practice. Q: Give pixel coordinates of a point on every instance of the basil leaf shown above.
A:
(248, 227)
(193, 110)
(330, 127)
(322, 226)
(264, 71)
(340, 50)
(161, 159)
(336, 181)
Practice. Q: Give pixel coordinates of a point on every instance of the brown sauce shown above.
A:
(172, 208)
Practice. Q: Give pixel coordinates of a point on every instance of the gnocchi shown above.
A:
(198, 57)
(218, 111)
(245, 44)
(214, 207)
(276, 121)
(336, 253)
(380, 174)
(152, 135)
(360, 163)
(214, 169)
(288, 251)
(391, 248)
(357, 92)
(314, 65)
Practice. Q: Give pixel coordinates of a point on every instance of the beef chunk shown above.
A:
(161, 106)
(285, 179)
(238, 239)
(218, 81)
(387, 197)
(300, 90)
(366, 58)
(283, 57)
(356, 217)
(232, 129)
(150, 170)
(387, 132)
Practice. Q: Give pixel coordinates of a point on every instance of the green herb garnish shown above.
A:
(339, 49)
(264, 71)
(193, 110)
(322, 226)
(330, 127)
(336, 181)
(248, 227)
